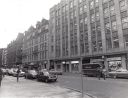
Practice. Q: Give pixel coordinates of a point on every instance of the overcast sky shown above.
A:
(18, 15)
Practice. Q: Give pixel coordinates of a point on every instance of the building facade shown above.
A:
(88, 31)
(14, 51)
(1, 52)
(35, 45)
(4, 57)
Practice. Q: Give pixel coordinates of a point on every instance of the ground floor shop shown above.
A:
(111, 62)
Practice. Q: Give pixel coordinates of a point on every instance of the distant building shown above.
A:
(88, 31)
(14, 51)
(35, 45)
(4, 57)
(1, 51)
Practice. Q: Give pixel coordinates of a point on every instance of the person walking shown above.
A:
(18, 72)
(99, 71)
(104, 73)
(1, 76)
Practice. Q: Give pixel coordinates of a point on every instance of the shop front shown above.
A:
(115, 63)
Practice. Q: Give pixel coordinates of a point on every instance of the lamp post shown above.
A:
(82, 89)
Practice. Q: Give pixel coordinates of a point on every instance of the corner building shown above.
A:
(88, 31)
(35, 46)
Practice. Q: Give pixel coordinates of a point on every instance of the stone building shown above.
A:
(88, 31)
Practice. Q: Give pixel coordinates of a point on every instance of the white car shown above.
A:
(119, 73)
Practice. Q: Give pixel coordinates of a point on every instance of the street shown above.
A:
(67, 86)
(26, 88)
(109, 88)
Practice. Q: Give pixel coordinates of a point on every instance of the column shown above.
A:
(80, 65)
(123, 60)
(70, 66)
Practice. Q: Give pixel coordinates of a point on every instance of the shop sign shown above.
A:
(72, 62)
(114, 59)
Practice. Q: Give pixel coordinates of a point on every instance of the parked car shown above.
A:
(45, 76)
(31, 74)
(4, 71)
(10, 71)
(56, 72)
(119, 73)
(21, 74)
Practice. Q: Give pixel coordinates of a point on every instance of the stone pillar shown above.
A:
(123, 60)
(48, 64)
(106, 63)
(80, 65)
(70, 66)
(61, 66)
(127, 61)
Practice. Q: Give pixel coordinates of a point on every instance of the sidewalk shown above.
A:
(33, 89)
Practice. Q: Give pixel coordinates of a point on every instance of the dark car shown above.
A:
(45, 76)
(56, 72)
(90, 69)
(31, 74)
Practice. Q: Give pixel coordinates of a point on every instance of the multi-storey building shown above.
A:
(4, 57)
(35, 45)
(14, 51)
(1, 51)
(87, 31)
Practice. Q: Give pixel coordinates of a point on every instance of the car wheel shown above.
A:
(55, 80)
(114, 76)
(46, 80)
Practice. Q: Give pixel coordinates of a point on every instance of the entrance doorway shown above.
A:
(66, 67)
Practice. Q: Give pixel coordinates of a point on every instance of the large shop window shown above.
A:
(75, 67)
(114, 63)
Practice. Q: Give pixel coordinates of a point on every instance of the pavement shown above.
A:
(26, 88)
(109, 88)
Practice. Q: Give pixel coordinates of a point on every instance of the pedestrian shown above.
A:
(1, 76)
(104, 73)
(18, 72)
(99, 72)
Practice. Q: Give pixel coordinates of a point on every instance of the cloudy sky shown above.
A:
(18, 15)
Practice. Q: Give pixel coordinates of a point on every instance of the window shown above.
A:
(96, 2)
(92, 4)
(75, 2)
(108, 43)
(123, 5)
(97, 16)
(85, 8)
(106, 12)
(71, 15)
(92, 17)
(105, 0)
(112, 10)
(66, 7)
(125, 22)
(114, 35)
(52, 48)
(126, 40)
(81, 10)
(74, 13)
(116, 43)
(71, 4)
(80, 1)
(124, 19)
(85, 20)
(107, 25)
(124, 14)
(114, 26)
(111, 3)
